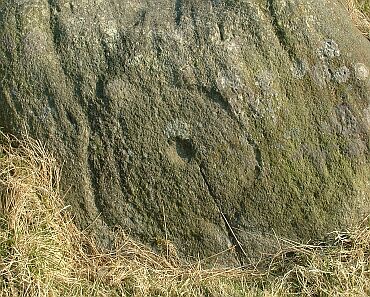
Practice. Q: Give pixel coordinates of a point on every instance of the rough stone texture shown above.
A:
(212, 121)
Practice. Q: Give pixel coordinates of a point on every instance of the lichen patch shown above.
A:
(265, 81)
(177, 128)
(321, 74)
(299, 69)
(329, 50)
(342, 74)
(361, 71)
(109, 30)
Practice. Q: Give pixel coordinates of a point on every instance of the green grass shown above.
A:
(44, 254)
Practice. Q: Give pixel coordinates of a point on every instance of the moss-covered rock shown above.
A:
(209, 123)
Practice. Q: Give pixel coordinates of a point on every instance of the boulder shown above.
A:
(211, 124)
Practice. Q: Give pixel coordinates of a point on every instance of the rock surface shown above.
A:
(208, 123)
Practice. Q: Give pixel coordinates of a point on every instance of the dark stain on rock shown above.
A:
(221, 30)
(216, 97)
(178, 11)
(185, 149)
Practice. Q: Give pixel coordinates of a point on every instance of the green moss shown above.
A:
(269, 149)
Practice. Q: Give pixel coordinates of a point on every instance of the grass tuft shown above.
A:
(42, 252)
(359, 10)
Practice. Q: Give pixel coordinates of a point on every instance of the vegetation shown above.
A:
(44, 254)
(360, 13)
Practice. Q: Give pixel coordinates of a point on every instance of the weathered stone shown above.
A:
(210, 123)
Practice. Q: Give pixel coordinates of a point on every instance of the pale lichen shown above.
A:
(229, 81)
(342, 74)
(265, 81)
(321, 74)
(299, 69)
(109, 31)
(329, 50)
(177, 128)
(361, 71)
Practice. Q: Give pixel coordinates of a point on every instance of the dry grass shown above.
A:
(44, 254)
(359, 11)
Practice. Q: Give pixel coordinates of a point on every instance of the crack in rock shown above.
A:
(241, 255)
